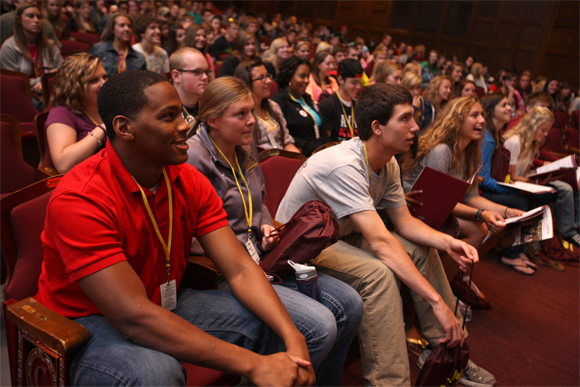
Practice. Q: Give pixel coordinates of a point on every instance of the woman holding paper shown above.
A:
(452, 146)
(524, 141)
(224, 152)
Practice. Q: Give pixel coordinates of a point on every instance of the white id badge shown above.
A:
(168, 295)
(252, 251)
(272, 140)
(316, 131)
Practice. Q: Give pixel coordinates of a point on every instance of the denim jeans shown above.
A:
(513, 201)
(346, 308)
(111, 360)
(566, 209)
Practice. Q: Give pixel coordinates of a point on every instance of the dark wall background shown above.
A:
(540, 36)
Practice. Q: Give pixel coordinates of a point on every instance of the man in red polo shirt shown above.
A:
(116, 242)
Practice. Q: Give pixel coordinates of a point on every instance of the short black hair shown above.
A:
(377, 102)
(123, 95)
(288, 68)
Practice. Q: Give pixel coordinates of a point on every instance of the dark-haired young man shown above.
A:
(354, 179)
(337, 110)
(148, 34)
(117, 239)
(226, 43)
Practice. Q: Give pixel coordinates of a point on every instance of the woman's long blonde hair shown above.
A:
(430, 93)
(383, 69)
(272, 57)
(446, 129)
(71, 81)
(526, 129)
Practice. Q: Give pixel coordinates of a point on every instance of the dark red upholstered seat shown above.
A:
(279, 168)
(15, 173)
(16, 100)
(87, 37)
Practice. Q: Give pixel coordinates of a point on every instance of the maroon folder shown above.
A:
(441, 192)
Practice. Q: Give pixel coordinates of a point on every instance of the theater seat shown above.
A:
(87, 37)
(279, 167)
(41, 342)
(17, 100)
(15, 173)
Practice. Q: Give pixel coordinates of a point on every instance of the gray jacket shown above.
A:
(11, 58)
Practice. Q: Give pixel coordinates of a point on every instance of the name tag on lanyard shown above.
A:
(168, 292)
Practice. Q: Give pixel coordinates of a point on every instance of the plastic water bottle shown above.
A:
(307, 280)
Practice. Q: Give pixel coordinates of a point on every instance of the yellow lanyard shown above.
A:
(369, 170)
(92, 119)
(270, 125)
(186, 112)
(147, 59)
(249, 214)
(166, 246)
(121, 68)
(350, 125)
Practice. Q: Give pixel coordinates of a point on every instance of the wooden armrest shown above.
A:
(557, 154)
(200, 274)
(45, 172)
(55, 331)
(204, 266)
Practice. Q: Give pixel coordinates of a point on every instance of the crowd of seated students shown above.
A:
(221, 70)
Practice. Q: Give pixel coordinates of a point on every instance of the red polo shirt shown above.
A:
(96, 218)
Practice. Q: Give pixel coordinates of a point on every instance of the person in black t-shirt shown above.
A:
(337, 110)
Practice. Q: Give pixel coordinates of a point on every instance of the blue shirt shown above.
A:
(490, 184)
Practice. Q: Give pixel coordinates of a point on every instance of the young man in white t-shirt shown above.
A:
(354, 179)
(148, 33)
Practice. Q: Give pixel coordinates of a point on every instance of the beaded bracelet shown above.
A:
(99, 142)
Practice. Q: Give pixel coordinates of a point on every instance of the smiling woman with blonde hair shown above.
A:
(452, 145)
(74, 129)
(524, 141)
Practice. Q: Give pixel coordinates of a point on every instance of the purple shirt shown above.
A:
(62, 115)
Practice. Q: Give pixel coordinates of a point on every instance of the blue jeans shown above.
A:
(341, 307)
(111, 360)
(347, 307)
(566, 209)
(513, 201)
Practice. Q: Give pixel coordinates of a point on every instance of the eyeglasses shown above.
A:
(197, 73)
(262, 78)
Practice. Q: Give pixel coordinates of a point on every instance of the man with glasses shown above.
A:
(189, 74)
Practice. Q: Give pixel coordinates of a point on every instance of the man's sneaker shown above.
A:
(575, 240)
(473, 376)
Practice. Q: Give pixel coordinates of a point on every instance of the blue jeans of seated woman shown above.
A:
(513, 201)
(346, 307)
(111, 360)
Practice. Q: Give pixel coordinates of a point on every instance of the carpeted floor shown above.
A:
(530, 337)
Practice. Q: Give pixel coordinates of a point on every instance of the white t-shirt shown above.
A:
(338, 176)
(512, 144)
(158, 62)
